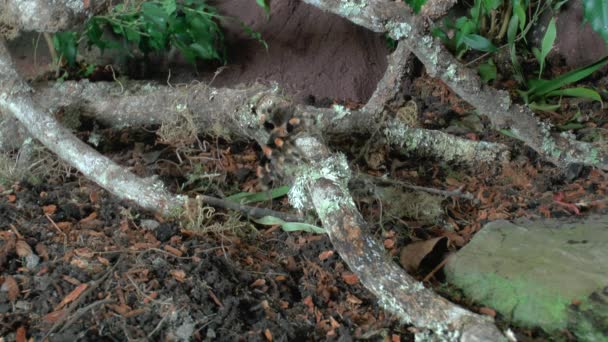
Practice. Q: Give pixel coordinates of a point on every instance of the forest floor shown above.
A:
(77, 264)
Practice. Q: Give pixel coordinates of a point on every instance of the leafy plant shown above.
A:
(416, 5)
(189, 26)
(596, 13)
(546, 45)
(466, 30)
(540, 90)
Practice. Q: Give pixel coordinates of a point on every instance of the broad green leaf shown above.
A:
(577, 92)
(487, 71)
(66, 45)
(539, 88)
(546, 45)
(491, 4)
(290, 226)
(169, 6)
(416, 5)
(252, 197)
(477, 42)
(596, 13)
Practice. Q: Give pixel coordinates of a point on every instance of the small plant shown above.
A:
(463, 34)
(540, 90)
(189, 26)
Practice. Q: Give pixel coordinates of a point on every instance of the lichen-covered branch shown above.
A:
(15, 98)
(321, 183)
(390, 86)
(396, 19)
(228, 111)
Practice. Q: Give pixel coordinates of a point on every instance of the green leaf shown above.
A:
(487, 71)
(290, 226)
(546, 45)
(491, 4)
(545, 107)
(416, 5)
(265, 5)
(539, 88)
(252, 197)
(66, 45)
(520, 13)
(169, 6)
(477, 42)
(580, 92)
(596, 13)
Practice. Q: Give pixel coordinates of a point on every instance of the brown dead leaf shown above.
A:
(84, 252)
(487, 311)
(350, 278)
(54, 316)
(352, 299)
(89, 218)
(23, 249)
(11, 198)
(389, 243)
(49, 209)
(42, 251)
(10, 286)
(20, 334)
(179, 275)
(325, 255)
(413, 254)
(71, 296)
(268, 335)
(71, 280)
(173, 250)
(258, 283)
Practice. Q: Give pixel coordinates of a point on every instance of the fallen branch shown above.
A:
(229, 111)
(15, 98)
(395, 19)
(322, 184)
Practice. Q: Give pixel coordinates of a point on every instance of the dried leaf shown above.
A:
(72, 296)
(42, 251)
(54, 316)
(258, 283)
(173, 250)
(350, 278)
(49, 209)
(268, 335)
(10, 286)
(21, 334)
(23, 249)
(179, 275)
(325, 255)
(413, 254)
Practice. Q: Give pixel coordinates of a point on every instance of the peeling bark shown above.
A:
(396, 19)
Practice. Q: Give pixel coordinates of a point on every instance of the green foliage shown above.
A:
(416, 5)
(466, 29)
(290, 226)
(66, 44)
(154, 26)
(596, 13)
(540, 90)
(190, 26)
(487, 71)
(546, 45)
